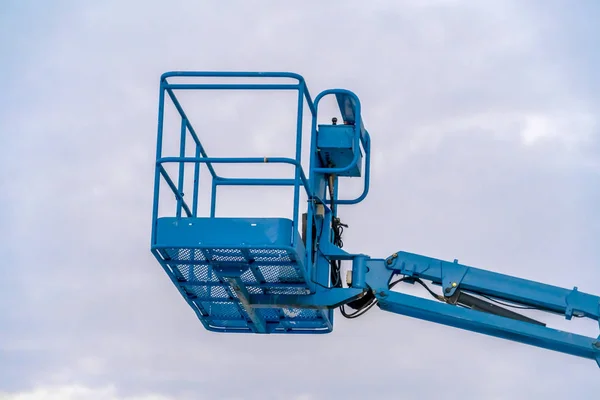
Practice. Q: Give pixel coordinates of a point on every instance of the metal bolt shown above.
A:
(453, 284)
(395, 255)
(596, 345)
(389, 261)
(448, 290)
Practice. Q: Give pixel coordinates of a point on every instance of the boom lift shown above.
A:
(283, 275)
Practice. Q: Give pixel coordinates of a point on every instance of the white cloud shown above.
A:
(81, 392)
(573, 130)
(77, 392)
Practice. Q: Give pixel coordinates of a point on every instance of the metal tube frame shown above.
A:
(201, 157)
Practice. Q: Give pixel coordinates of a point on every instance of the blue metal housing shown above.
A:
(278, 275)
(336, 147)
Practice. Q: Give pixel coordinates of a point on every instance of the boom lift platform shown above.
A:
(282, 275)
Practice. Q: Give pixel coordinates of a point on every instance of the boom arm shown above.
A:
(470, 288)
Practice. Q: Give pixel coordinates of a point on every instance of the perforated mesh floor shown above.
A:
(262, 271)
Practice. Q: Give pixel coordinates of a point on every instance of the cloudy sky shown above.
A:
(484, 124)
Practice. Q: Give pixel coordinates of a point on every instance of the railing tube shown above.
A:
(181, 165)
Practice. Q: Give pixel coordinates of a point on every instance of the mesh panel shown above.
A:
(287, 290)
(269, 314)
(185, 270)
(201, 273)
(222, 310)
(272, 270)
(227, 255)
(280, 273)
(213, 292)
(270, 255)
(185, 254)
(255, 290)
(248, 277)
(205, 273)
(299, 313)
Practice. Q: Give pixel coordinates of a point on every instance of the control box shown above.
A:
(336, 146)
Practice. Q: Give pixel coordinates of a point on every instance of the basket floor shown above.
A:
(203, 272)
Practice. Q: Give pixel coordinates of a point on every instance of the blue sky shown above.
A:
(484, 120)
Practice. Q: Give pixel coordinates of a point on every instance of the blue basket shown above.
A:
(217, 263)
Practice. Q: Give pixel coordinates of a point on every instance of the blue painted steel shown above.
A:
(357, 131)
(196, 183)
(359, 272)
(228, 232)
(350, 109)
(298, 155)
(213, 198)
(230, 86)
(235, 74)
(259, 275)
(323, 298)
(178, 193)
(181, 166)
(349, 104)
(336, 148)
(239, 160)
(157, 171)
(499, 286)
(258, 320)
(521, 291)
(489, 324)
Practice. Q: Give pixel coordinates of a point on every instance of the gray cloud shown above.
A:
(485, 146)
